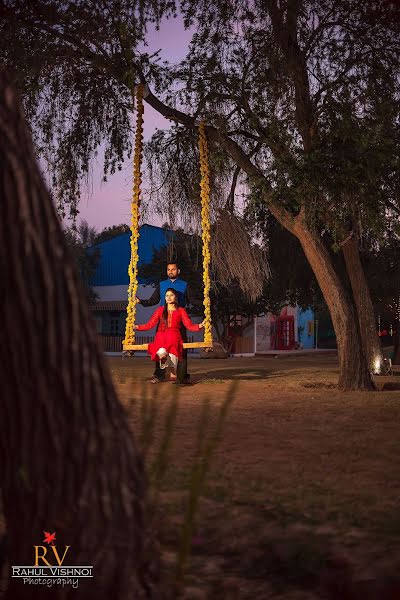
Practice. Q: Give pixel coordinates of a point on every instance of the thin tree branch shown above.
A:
(244, 133)
(296, 66)
(230, 201)
(232, 148)
(392, 206)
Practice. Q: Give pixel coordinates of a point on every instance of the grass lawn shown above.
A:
(303, 496)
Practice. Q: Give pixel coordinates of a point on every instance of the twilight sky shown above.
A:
(109, 203)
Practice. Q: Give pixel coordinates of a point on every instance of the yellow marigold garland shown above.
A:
(205, 225)
(137, 180)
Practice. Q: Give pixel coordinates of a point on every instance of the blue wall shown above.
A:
(115, 254)
(303, 318)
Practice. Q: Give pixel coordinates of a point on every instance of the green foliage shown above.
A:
(307, 91)
(292, 280)
(75, 64)
(108, 233)
(79, 240)
(381, 263)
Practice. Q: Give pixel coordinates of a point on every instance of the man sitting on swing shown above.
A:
(167, 347)
(185, 297)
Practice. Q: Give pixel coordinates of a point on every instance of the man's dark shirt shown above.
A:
(155, 298)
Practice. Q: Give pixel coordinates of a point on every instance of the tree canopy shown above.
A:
(110, 232)
(300, 94)
(79, 240)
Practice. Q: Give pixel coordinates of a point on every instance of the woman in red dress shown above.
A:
(168, 345)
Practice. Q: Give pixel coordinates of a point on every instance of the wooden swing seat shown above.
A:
(186, 345)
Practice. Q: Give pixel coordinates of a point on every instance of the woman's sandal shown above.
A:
(154, 380)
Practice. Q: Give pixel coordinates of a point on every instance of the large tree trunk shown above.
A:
(365, 310)
(69, 461)
(353, 369)
(396, 348)
(354, 373)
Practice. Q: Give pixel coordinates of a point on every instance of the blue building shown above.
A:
(115, 255)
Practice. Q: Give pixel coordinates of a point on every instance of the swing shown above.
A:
(129, 342)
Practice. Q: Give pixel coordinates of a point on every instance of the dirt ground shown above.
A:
(302, 499)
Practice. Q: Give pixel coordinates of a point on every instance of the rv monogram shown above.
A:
(48, 567)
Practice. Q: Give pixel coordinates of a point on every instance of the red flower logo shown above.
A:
(49, 537)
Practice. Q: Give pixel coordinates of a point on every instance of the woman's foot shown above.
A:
(154, 380)
(172, 376)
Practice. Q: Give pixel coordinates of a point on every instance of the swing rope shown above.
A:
(205, 228)
(129, 341)
(135, 204)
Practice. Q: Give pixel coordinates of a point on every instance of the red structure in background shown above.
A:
(234, 330)
(282, 338)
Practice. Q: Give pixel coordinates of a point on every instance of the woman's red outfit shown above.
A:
(168, 335)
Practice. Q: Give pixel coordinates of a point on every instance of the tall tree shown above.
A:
(294, 86)
(382, 265)
(267, 77)
(69, 460)
(79, 240)
(110, 232)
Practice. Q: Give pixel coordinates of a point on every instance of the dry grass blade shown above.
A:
(206, 446)
(160, 463)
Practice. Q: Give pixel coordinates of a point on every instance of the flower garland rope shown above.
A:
(135, 203)
(205, 227)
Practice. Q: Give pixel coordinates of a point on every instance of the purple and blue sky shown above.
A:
(109, 203)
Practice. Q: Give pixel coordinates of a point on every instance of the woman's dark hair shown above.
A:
(165, 311)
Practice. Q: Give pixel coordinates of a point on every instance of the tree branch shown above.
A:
(231, 147)
(101, 61)
(230, 201)
(313, 37)
(392, 206)
(277, 147)
(286, 35)
(244, 133)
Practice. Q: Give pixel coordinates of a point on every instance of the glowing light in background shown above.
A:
(377, 366)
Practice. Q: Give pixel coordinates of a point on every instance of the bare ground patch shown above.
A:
(303, 497)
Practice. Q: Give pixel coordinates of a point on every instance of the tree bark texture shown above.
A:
(396, 348)
(69, 462)
(353, 369)
(365, 310)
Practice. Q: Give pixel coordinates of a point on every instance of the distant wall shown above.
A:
(305, 327)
